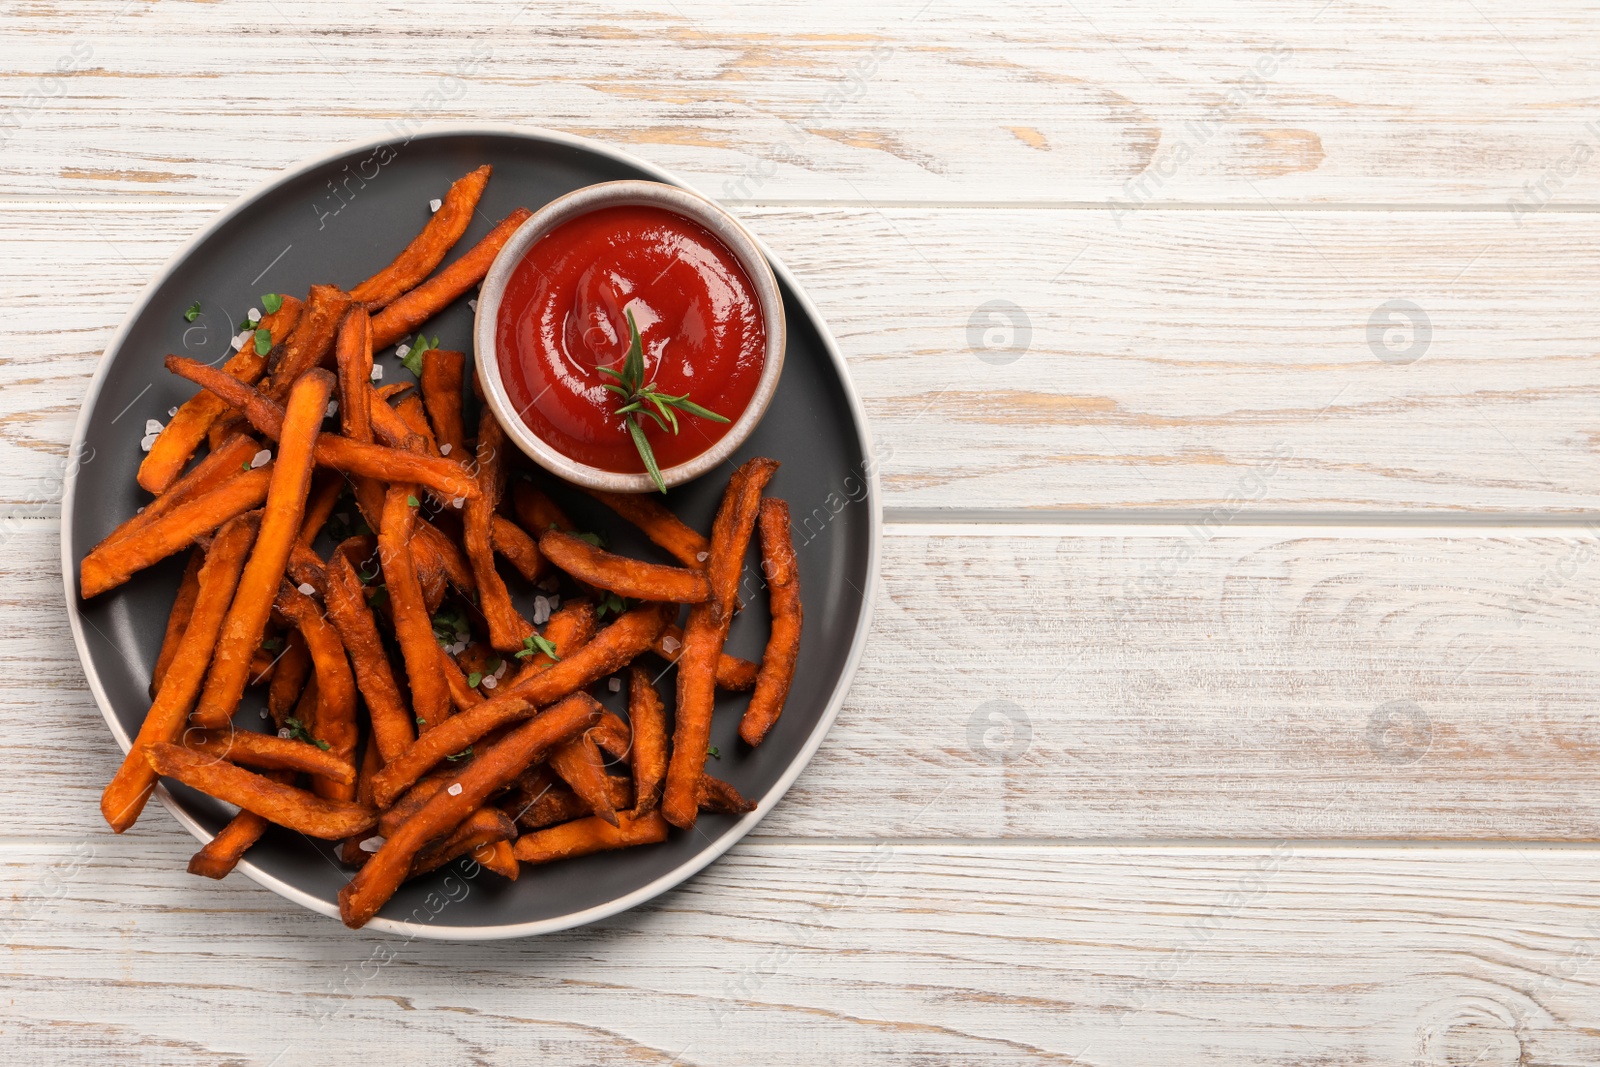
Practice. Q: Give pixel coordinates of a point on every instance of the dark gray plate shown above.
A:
(336, 220)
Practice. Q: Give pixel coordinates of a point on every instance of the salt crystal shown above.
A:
(403, 351)
(541, 610)
(307, 588)
(377, 372)
(444, 449)
(435, 204)
(458, 501)
(670, 644)
(263, 713)
(264, 456)
(255, 315)
(615, 685)
(238, 342)
(702, 556)
(333, 409)
(148, 441)
(455, 789)
(172, 411)
(555, 602)
(373, 843)
(473, 304)
(284, 733)
(152, 426)
(490, 682)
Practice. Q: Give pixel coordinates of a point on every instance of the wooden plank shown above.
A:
(1181, 362)
(1069, 683)
(1371, 103)
(899, 954)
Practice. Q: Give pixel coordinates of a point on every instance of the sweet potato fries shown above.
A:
(427, 629)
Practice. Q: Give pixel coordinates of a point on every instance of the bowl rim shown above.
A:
(628, 192)
(694, 864)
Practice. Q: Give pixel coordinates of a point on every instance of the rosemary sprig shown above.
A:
(639, 397)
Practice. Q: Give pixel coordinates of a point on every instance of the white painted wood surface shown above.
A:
(1152, 782)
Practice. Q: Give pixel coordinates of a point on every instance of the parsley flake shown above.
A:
(714, 752)
(272, 302)
(413, 359)
(536, 644)
(193, 312)
(463, 754)
(298, 732)
(263, 342)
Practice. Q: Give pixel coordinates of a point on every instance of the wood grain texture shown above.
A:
(1050, 683)
(1230, 102)
(898, 954)
(1176, 362)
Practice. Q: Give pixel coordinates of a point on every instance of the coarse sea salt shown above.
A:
(403, 351)
(264, 456)
(458, 502)
(670, 644)
(615, 685)
(702, 556)
(152, 426)
(444, 449)
(373, 843)
(307, 588)
(377, 372)
(435, 204)
(333, 409)
(490, 682)
(472, 305)
(148, 441)
(541, 610)
(455, 789)
(284, 733)
(255, 315)
(171, 412)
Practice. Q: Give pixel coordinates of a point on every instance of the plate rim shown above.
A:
(694, 864)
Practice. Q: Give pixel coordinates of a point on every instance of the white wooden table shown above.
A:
(1234, 694)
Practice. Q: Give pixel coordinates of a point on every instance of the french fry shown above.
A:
(483, 827)
(269, 752)
(519, 550)
(430, 246)
(488, 773)
(569, 629)
(413, 800)
(555, 803)
(661, 526)
(222, 464)
(578, 763)
(500, 858)
(462, 695)
(178, 618)
(621, 575)
(416, 420)
(783, 646)
(326, 488)
(125, 795)
(442, 377)
(293, 808)
(192, 424)
(288, 678)
(613, 735)
(440, 291)
(306, 567)
(608, 651)
(454, 735)
(507, 628)
(108, 566)
(350, 851)
(392, 728)
(218, 857)
(261, 664)
(647, 716)
(703, 638)
(352, 354)
(721, 798)
(310, 344)
(280, 530)
(584, 837)
(413, 626)
(536, 512)
(449, 558)
(336, 687)
(733, 674)
(330, 450)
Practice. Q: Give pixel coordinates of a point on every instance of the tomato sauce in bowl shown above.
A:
(563, 316)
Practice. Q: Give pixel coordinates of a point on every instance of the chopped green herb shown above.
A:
(298, 732)
(463, 754)
(494, 665)
(612, 603)
(272, 644)
(413, 501)
(474, 678)
(245, 465)
(193, 312)
(380, 599)
(247, 324)
(272, 302)
(714, 752)
(634, 393)
(421, 721)
(263, 342)
(413, 358)
(536, 644)
(593, 538)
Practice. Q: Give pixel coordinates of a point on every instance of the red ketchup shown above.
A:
(563, 316)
